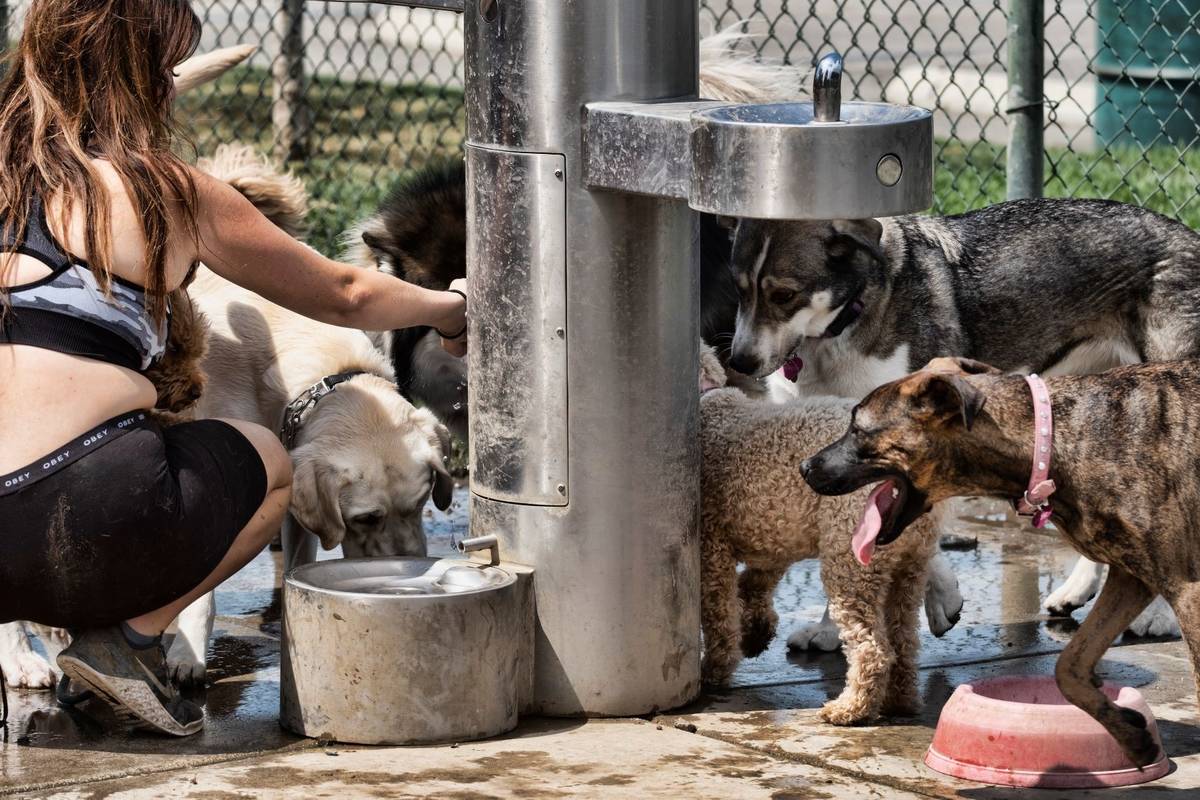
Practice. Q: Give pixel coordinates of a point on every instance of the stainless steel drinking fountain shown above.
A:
(588, 155)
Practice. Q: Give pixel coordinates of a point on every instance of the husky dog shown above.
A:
(1046, 286)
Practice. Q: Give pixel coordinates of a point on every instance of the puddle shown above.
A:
(1003, 578)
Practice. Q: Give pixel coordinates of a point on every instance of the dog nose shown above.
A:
(805, 468)
(743, 363)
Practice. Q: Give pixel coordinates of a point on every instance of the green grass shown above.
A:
(365, 135)
(1165, 179)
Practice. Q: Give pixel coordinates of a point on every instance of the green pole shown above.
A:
(1026, 70)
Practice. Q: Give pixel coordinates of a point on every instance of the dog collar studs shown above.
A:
(293, 415)
(1035, 502)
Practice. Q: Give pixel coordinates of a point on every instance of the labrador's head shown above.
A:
(366, 464)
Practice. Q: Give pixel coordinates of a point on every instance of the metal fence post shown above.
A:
(1026, 70)
(289, 115)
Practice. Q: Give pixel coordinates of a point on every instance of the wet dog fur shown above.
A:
(959, 427)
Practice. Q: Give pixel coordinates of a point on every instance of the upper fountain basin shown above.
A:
(776, 161)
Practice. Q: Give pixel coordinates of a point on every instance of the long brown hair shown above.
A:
(93, 79)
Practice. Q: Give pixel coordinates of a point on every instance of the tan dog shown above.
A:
(959, 427)
(365, 460)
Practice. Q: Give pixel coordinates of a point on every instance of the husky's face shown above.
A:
(795, 281)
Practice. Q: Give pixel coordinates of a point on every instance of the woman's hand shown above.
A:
(454, 330)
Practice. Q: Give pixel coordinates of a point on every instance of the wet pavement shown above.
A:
(762, 738)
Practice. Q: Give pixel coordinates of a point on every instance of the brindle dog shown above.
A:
(1126, 461)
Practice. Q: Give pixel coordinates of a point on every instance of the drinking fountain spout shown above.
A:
(827, 88)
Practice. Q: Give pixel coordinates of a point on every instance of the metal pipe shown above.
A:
(490, 543)
(827, 88)
(1026, 71)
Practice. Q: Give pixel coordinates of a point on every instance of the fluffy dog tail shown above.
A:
(280, 196)
(733, 75)
(210, 66)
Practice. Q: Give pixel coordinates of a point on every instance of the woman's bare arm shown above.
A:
(241, 245)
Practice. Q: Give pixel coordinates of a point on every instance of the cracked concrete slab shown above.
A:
(600, 759)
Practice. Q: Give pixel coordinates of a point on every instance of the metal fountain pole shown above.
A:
(584, 329)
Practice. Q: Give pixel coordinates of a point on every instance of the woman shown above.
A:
(109, 524)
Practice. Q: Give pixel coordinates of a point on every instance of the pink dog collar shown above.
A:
(1036, 501)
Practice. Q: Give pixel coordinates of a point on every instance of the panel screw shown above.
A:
(560, 333)
(489, 10)
(558, 173)
(889, 169)
(562, 489)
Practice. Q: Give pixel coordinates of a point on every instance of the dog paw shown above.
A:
(844, 712)
(1063, 600)
(184, 666)
(1079, 587)
(905, 706)
(1156, 620)
(28, 670)
(823, 635)
(1135, 739)
(943, 601)
(756, 637)
(716, 675)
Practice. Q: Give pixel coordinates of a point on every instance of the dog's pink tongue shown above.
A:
(792, 367)
(863, 543)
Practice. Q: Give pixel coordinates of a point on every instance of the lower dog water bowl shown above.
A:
(1021, 731)
(405, 650)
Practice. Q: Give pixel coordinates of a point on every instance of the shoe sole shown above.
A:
(133, 702)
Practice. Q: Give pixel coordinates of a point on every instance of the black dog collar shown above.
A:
(293, 415)
(848, 315)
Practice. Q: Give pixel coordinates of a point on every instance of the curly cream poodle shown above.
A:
(759, 512)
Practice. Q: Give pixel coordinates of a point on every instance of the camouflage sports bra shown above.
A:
(67, 311)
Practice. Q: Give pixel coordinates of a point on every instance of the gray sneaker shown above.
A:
(130, 680)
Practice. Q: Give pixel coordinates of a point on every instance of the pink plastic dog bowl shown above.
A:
(1021, 731)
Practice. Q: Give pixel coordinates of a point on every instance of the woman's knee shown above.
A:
(275, 458)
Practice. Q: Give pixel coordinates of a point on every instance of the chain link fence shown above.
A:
(354, 95)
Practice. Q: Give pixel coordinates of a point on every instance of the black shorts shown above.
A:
(125, 519)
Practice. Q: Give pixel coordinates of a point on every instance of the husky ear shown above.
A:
(857, 234)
